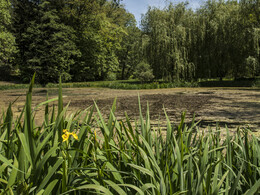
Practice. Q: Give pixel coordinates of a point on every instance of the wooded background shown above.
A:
(86, 40)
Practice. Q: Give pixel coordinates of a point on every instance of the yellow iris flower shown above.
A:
(66, 135)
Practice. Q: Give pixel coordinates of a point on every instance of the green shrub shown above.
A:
(251, 67)
(111, 76)
(144, 72)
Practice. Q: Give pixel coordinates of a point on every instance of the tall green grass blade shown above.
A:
(216, 191)
(147, 186)
(46, 112)
(115, 172)
(234, 186)
(51, 172)
(53, 115)
(97, 188)
(215, 177)
(60, 113)
(7, 162)
(3, 181)
(2, 168)
(49, 189)
(12, 177)
(42, 144)
(45, 103)
(138, 190)
(254, 189)
(2, 139)
(8, 126)
(111, 116)
(26, 148)
(142, 169)
(116, 187)
(58, 126)
(103, 124)
(141, 118)
(40, 165)
(156, 167)
(28, 123)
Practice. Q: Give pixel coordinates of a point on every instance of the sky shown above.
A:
(138, 7)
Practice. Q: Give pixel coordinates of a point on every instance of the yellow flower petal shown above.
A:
(95, 133)
(75, 136)
(65, 137)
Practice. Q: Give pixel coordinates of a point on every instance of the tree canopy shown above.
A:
(7, 39)
(98, 40)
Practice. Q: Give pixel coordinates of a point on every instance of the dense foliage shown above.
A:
(220, 39)
(99, 40)
(84, 153)
(7, 40)
(78, 40)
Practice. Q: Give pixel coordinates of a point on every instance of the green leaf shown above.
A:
(60, 112)
(216, 191)
(104, 126)
(116, 187)
(45, 102)
(42, 144)
(147, 186)
(13, 174)
(51, 172)
(255, 188)
(44, 159)
(115, 172)
(49, 189)
(142, 169)
(6, 161)
(133, 187)
(94, 187)
(26, 147)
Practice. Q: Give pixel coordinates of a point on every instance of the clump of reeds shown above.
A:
(65, 155)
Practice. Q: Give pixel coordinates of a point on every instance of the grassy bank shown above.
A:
(107, 84)
(135, 85)
(82, 153)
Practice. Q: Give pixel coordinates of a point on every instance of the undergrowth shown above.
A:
(107, 84)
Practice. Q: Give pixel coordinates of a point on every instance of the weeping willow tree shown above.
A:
(220, 39)
(7, 40)
(251, 11)
(168, 47)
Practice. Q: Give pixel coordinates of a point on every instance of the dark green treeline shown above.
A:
(84, 40)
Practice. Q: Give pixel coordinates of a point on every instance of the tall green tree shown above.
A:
(7, 40)
(250, 12)
(99, 30)
(168, 46)
(23, 13)
(51, 48)
(130, 53)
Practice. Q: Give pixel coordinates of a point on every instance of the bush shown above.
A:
(251, 67)
(111, 76)
(144, 72)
